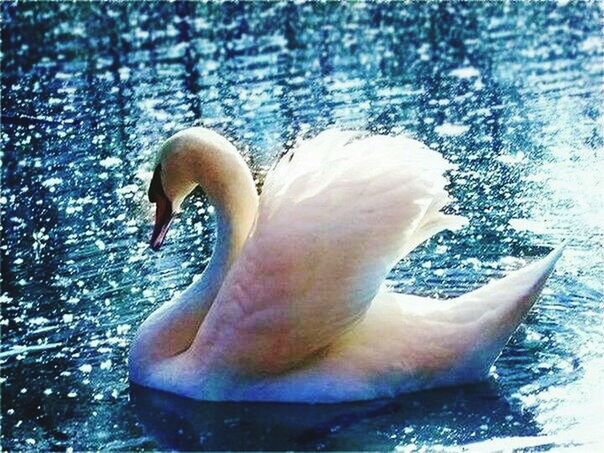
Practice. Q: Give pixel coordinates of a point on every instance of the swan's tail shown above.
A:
(499, 307)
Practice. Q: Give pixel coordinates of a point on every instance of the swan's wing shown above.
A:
(336, 213)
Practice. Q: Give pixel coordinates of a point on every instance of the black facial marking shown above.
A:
(156, 189)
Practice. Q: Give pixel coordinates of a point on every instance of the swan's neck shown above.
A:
(226, 180)
(230, 237)
(211, 162)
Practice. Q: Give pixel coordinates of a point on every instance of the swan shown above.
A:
(292, 306)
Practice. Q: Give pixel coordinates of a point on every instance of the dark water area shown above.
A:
(510, 92)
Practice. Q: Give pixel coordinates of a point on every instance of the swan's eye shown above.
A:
(156, 189)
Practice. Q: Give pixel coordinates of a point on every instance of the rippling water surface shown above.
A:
(511, 93)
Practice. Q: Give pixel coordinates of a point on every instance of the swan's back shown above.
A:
(336, 213)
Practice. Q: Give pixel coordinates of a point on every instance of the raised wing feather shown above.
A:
(336, 213)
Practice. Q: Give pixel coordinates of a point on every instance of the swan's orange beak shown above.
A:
(163, 210)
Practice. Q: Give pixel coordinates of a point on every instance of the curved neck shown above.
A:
(231, 190)
(224, 176)
(231, 234)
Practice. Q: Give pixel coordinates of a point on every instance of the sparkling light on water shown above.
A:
(510, 93)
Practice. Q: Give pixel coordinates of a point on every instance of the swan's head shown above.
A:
(194, 156)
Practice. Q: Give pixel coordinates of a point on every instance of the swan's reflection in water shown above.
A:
(446, 417)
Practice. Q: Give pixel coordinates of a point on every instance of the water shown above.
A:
(511, 93)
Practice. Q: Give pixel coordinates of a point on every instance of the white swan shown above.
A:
(291, 306)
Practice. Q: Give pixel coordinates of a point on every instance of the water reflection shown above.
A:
(508, 91)
(446, 416)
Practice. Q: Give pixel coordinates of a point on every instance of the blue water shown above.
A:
(511, 93)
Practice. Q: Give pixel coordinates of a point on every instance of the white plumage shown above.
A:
(299, 313)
